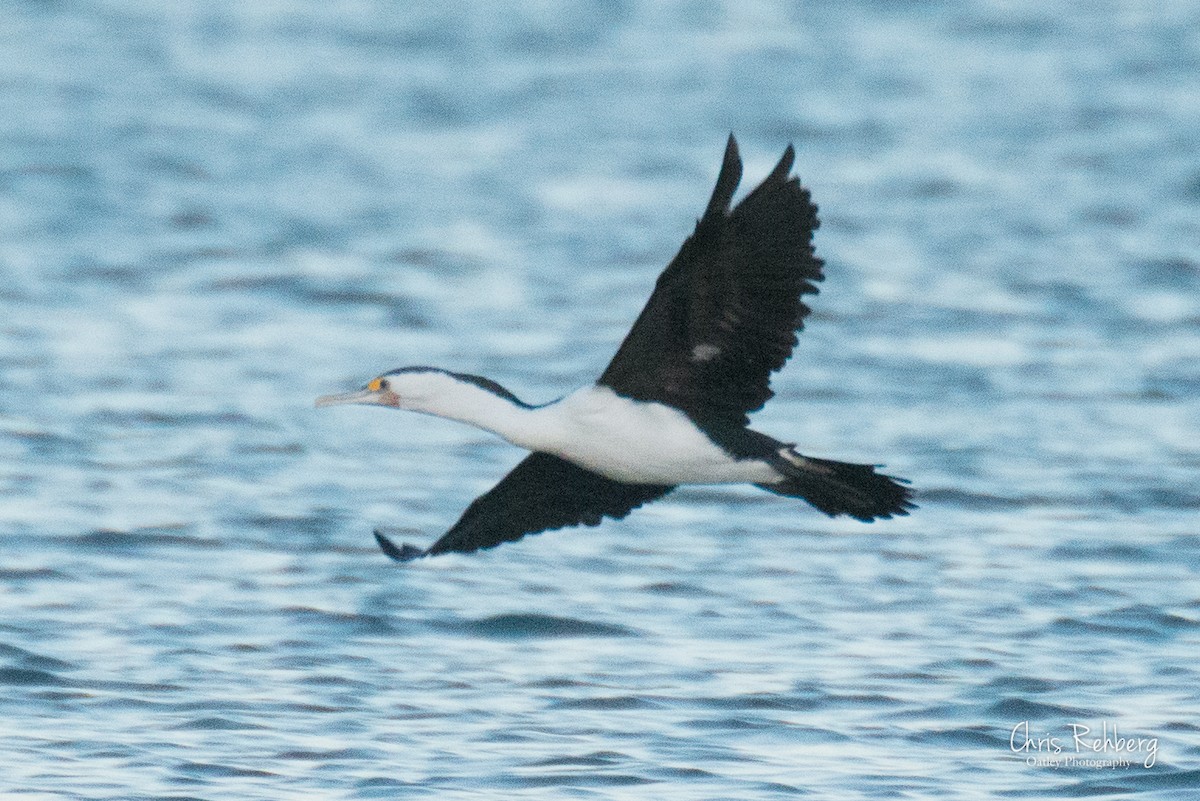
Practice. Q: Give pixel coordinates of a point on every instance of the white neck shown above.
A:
(477, 406)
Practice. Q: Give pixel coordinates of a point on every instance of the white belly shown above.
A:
(640, 443)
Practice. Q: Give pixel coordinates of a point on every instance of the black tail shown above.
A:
(840, 488)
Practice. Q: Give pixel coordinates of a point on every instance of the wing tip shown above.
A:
(398, 553)
(727, 180)
(731, 175)
(784, 167)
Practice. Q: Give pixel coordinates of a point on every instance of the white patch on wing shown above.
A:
(705, 352)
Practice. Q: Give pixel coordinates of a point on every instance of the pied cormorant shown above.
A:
(671, 408)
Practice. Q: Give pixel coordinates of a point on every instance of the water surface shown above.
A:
(214, 212)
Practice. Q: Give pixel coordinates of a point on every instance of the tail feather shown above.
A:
(841, 488)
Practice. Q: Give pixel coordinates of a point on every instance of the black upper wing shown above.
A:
(543, 492)
(724, 313)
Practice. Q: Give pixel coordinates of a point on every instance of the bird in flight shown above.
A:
(671, 408)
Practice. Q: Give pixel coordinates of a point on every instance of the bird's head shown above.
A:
(414, 388)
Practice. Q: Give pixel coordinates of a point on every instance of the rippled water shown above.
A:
(213, 212)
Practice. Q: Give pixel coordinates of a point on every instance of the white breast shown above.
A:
(639, 442)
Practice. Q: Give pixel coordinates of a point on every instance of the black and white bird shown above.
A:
(671, 408)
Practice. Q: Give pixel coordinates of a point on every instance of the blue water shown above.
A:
(211, 212)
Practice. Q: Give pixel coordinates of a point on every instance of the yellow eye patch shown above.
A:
(375, 385)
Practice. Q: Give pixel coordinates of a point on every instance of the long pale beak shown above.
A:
(372, 397)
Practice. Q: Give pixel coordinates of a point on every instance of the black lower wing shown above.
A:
(542, 493)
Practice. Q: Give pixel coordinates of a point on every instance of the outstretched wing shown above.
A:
(543, 492)
(725, 312)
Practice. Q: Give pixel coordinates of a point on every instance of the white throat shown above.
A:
(474, 405)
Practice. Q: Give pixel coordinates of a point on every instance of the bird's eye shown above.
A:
(377, 384)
